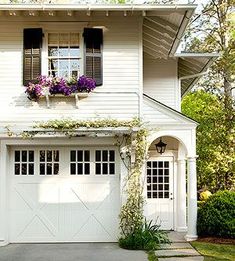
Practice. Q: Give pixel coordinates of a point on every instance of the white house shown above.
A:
(60, 189)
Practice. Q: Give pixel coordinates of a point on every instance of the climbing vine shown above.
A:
(70, 127)
(131, 215)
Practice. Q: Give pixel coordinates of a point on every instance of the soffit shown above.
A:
(190, 66)
(162, 33)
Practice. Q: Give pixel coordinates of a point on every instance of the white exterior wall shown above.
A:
(160, 81)
(117, 98)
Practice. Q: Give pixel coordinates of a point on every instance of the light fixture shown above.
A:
(160, 146)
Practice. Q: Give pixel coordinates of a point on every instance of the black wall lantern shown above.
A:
(160, 146)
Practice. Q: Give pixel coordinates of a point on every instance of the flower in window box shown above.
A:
(55, 85)
(85, 84)
(60, 86)
(34, 91)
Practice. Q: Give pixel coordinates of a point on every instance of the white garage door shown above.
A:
(64, 195)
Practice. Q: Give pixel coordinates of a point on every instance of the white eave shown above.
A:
(163, 24)
(96, 7)
(191, 66)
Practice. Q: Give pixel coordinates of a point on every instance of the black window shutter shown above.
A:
(32, 54)
(93, 64)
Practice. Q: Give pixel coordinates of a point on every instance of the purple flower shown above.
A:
(85, 84)
(58, 85)
(34, 91)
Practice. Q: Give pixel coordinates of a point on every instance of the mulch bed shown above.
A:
(217, 240)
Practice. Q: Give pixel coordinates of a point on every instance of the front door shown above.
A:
(159, 191)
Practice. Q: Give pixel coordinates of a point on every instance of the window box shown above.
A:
(58, 87)
(76, 96)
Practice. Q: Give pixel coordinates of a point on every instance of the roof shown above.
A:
(162, 33)
(171, 110)
(191, 67)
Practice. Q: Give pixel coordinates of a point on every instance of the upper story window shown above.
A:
(64, 55)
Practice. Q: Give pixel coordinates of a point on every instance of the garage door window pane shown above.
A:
(79, 162)
(49, 162)
(31, 156)
(73, 155)
(17, 169)
(42, 169)
(98, 168)
(105, 162)
(31, 168)
(17, 156)
(97, 155)
(24, 156)
(24, 162)
(87, 168)
(72, 168)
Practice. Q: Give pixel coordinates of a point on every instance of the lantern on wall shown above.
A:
(161, 146)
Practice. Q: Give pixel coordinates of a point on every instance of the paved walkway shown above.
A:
(69, 252)
(179, 250)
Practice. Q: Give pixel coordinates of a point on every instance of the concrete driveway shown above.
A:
(69, 252)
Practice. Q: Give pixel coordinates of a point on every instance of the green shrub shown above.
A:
(216, 217)
(205, 195)
(149, 237)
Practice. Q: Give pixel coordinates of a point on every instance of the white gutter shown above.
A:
(66, 7)
(196, 55)
(184, 23)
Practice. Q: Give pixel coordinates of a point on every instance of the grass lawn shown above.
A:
(215, 252)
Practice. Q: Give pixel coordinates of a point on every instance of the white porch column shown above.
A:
(192, 200)
(181, 196)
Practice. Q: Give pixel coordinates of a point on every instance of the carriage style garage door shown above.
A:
(60, 194)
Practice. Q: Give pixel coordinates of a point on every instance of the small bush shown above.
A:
(149, 237)
(216, 217)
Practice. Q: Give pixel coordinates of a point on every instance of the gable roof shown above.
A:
(159, 113)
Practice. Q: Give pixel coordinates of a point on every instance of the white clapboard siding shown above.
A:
(160, 81)
(117, 98)
(158, 114)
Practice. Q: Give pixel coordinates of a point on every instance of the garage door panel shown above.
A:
(93, 230)
(38, 229)
(63, 207)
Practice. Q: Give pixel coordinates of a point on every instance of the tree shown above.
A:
(216, 162)
(213, 30)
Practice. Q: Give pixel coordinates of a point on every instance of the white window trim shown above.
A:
(44, 57)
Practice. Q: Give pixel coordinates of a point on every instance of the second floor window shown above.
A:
(64, 55)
